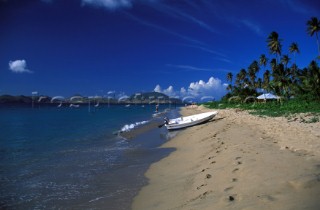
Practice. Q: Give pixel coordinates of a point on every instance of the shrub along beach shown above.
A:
(252, 155)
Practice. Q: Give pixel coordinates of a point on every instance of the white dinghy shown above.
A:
(188, 121)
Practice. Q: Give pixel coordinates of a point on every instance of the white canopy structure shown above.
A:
(267, 96)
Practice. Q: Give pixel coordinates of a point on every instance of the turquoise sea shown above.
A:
(70, 158)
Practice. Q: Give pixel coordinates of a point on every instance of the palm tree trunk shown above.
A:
(318, 45)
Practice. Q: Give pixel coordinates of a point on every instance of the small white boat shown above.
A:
(188, 121)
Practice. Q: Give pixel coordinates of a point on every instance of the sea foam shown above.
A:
(129, 127)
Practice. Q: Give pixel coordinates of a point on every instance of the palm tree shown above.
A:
(241, 79)
(285, 60)
(294, 49)
(259, 83)
(263, 60)
(310, 80)
(242, 74)
(273, 64)
(294, 72)
(229, 77)
(229, 87)
(266, 79)
(313, 27)
(274, 44)
(252, 71)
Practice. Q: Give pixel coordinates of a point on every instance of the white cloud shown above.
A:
(197, 91)
(157, 89)
(19, 66)
(109, 4)
(169, 91)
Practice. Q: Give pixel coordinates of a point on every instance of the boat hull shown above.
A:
(188, 121)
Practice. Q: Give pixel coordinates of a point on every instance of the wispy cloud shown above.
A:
(109, 4)
(222, 59)
(302, 7)
(200, 23)
(19, 66)
(189, 68)
(176, 13)
(218, 55)
(253, 27)
(193, 68)
(160, 28)
(205, 49)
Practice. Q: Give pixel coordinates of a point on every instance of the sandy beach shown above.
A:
(237, 161)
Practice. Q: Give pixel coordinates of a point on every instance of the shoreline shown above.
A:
(237, 161)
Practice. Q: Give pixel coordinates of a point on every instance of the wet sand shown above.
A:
(237, 161)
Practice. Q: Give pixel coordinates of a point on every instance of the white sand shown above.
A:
(237, 161)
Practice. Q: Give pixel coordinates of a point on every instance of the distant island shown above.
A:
(139, 98)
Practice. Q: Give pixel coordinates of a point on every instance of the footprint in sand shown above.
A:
(231, 198)
(205, 194)
(234, 170)
(234, 179)
(203, 185)
(266, 197)
(203, 170)
(228, 189)
(238, 162)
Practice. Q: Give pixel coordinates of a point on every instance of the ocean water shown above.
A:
(70, 158)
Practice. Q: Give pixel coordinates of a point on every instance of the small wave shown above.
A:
(129, 127)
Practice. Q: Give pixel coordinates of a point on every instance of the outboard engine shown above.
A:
(166, 120)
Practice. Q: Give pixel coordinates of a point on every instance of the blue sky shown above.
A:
(181, 48)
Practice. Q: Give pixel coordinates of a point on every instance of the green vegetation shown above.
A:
(281, 79)
(273, 109)
(298, 88)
